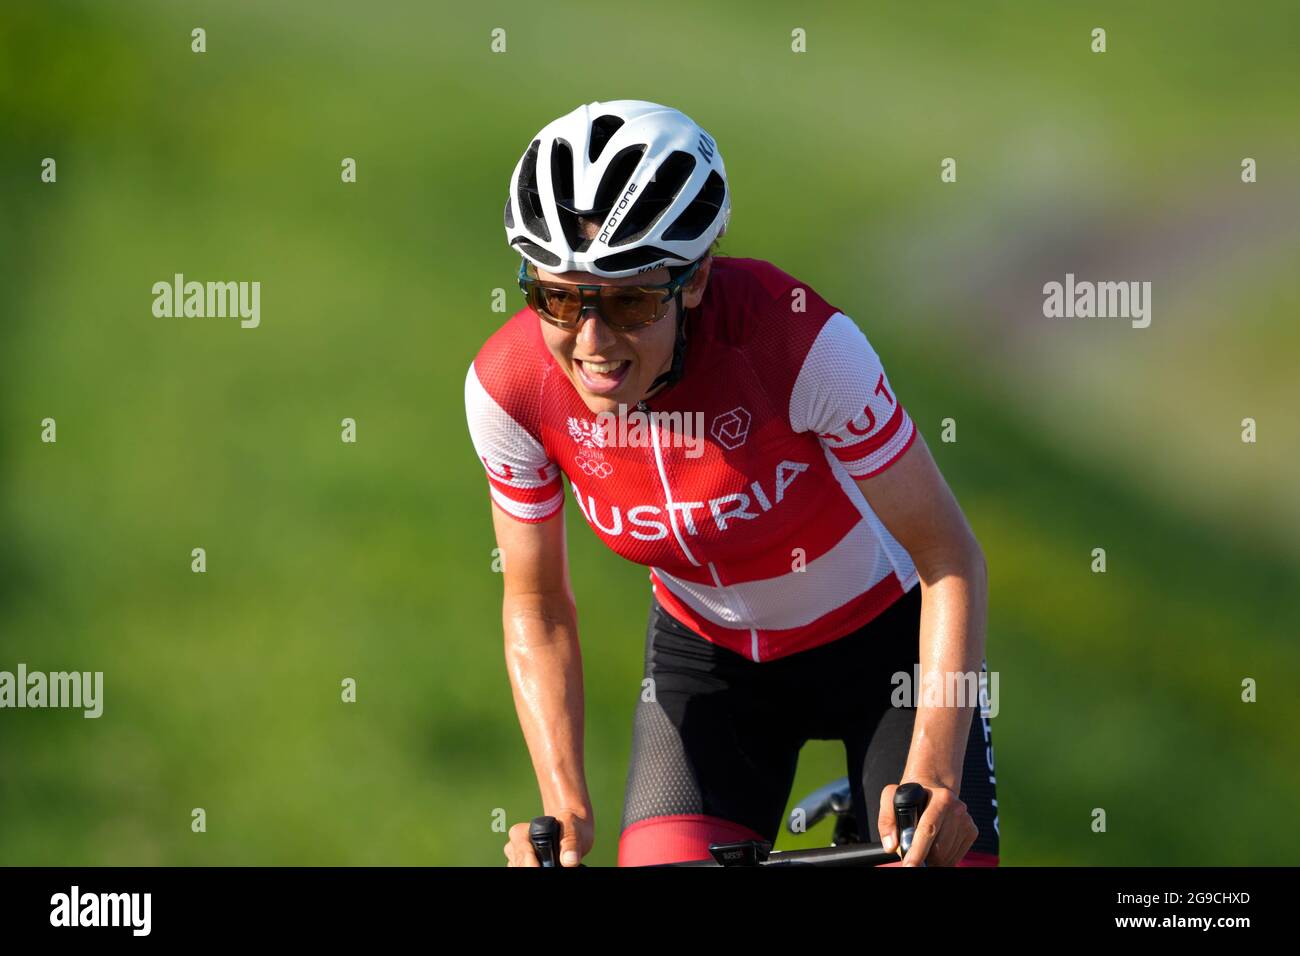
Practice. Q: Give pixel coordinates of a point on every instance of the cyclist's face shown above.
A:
(606, 366)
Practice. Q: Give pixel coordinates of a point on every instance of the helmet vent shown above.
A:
(655, 198)
(534, 251)
(562, 183)
(701, 212)
(615, 180)
(602, 128)
(530, 203)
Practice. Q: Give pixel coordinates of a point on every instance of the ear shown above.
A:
(693, 291)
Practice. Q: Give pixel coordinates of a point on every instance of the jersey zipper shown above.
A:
(667, 489)
(723, 590)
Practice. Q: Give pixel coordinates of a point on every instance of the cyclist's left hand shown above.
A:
(944, 833)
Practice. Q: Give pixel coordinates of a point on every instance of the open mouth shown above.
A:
(601, 377)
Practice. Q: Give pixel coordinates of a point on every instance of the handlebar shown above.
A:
(544, 835)
(910, 801)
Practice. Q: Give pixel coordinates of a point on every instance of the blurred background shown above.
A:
(373, 560)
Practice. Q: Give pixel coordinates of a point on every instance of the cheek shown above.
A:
(654, 347)
(558, 343)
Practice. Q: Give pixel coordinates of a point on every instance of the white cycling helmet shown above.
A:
(648, 173)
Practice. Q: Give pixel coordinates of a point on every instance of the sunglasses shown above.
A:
(623, 307)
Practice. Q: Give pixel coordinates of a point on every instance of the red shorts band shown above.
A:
(676, 839)
(682, 837)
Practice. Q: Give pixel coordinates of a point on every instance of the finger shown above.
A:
(957, 832)
(948, 811)
(885, 818)
(947, 847)
(570, 849)
(523, 854)
(520, 849)
(519, 856)
(927, 829)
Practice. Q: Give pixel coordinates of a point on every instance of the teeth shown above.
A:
(602, 368)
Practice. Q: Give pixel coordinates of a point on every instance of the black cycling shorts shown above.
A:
(714, 751)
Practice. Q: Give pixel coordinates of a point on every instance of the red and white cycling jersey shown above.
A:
(762, 543)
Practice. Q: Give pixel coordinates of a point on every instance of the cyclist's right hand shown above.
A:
(577, 834)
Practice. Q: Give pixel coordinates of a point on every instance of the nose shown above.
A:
(595, 334)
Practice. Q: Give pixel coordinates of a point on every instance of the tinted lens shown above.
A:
(623, 307)
(628, 307)
(562, 305)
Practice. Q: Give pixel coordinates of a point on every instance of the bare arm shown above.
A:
(540, 623)
(914, 502)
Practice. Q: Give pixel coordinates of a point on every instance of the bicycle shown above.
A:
(846, 849)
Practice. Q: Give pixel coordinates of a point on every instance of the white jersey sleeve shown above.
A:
(522, 480)
(843, 394)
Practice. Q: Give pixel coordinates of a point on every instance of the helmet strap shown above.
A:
(679, 350)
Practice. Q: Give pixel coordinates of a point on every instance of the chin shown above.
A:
(603, 403)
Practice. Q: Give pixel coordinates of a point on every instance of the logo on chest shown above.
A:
(730, 429)
(590, 441)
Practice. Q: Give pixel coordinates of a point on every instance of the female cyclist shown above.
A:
(805, 554)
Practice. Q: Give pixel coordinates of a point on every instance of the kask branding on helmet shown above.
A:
(651, 178)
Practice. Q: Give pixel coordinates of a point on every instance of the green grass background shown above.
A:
(373, 561)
